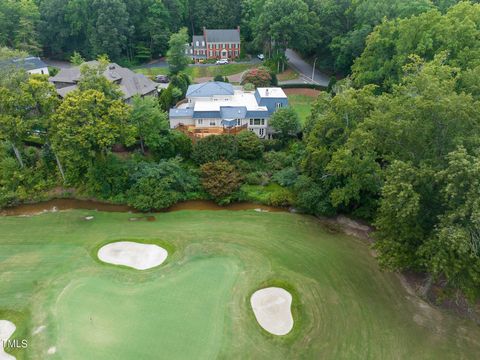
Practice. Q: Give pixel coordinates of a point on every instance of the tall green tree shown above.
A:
(176, 57)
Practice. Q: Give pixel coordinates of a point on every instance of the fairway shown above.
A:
(196, 305)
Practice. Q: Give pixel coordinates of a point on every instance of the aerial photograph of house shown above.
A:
(239, 180)
(218, 107)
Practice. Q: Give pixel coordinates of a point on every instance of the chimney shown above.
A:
(238, 29)
(266, 92)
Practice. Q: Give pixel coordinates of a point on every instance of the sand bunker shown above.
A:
(271, 307)
(7, 328)
(132, 254)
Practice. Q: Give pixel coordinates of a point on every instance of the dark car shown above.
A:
(162, 79)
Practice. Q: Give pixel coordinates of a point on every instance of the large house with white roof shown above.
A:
(215, 44)
(218, 107)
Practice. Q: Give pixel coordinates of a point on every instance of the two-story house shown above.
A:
(217, 107)
(215, 44)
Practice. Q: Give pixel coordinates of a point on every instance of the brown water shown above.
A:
(68, 204)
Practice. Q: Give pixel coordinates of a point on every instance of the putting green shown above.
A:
(196, 304)
(178, 317)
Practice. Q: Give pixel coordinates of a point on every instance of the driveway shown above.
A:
(305, 70)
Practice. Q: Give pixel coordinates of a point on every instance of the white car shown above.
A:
(261, 56)
(222, 62)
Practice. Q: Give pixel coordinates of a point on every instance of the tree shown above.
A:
(93, 78)
(86, 125)
(259, 77)
(282, 23)
(215, 147)
(250, 147)
(285, 122)
(150, 121)
(220, 179)
(110, 29)
(176, 58)
(76, 59)
(158, 186)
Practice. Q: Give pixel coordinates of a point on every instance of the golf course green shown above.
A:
(196, 305)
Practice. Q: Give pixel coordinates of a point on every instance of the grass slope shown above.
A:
(302, 105)
(344, 307)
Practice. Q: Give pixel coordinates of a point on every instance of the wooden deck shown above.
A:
(195, 133)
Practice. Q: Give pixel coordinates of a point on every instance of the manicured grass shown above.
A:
(201, 71)
(196, 304)
(288, 74)
(302, 105)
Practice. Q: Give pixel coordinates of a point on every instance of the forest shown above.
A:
(395, 142)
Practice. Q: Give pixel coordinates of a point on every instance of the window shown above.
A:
(211, 53)
(236, 52)
(257, 122)
(197, 43)
(212, 123)
(203, 43)
(229, 53)
(278, 105)
(186, 51)
(216, 46)
(217, 52)
(261, 132)
(200, 121)
(239, 122)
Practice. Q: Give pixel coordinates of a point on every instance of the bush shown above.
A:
(249, 87)
(214, 148)
(220, 78)
(286, 176)
(257, 178)
(220, 180)
(259, 77)
(249, 146)
(158, 186)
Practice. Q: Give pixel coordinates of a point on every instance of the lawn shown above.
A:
(301, 103)
(196, 72)
(196, 304)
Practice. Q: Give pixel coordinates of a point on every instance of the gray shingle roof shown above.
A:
(222, 35)
(209, 89)
(198, 38)
(130, 83)
(28, 63)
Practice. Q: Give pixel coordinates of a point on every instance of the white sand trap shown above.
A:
(272, 308)
(132, 254)
(7, 328)
(51, 350)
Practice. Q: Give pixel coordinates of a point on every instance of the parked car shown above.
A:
(163, 79)
(261, 57)
(222, 62)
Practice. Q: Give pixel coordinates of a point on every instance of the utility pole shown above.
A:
(313, 71)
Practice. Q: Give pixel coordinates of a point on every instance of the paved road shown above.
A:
(160, 63)
(305, 69)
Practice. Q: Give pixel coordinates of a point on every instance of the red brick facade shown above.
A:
(203, 47)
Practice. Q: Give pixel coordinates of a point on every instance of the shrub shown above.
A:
(257, 178)
(286, 176)
(249, 146)
(259, 77)
(214, 148)
(220, 180)
(220, 78)
(249, 87)
(157, 186)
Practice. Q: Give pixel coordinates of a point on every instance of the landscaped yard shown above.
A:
(301, 101)
(196, 304)
(196, 72)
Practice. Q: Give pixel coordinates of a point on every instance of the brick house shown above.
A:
(215, 44)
